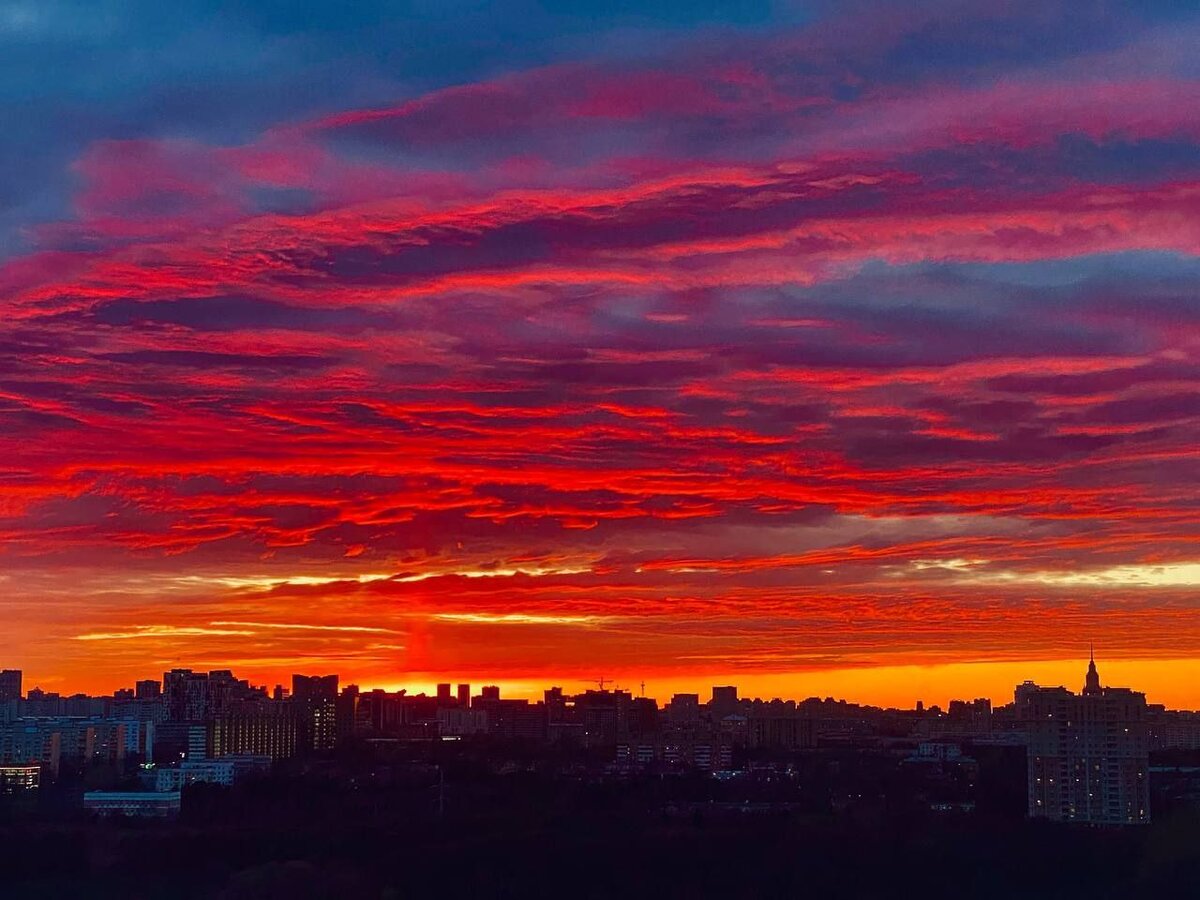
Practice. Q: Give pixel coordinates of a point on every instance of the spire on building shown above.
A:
(1092, 684)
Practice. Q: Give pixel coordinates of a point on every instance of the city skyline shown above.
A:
(258, 782)
(662, 690)
(838, 348)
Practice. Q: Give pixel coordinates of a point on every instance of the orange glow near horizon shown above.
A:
(1172, 682)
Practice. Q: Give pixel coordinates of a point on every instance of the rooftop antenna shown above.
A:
(602, 681)
(643, 693)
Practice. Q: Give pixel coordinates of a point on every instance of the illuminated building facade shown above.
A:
(1088, 753)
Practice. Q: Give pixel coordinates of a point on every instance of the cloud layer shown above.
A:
(790, 339)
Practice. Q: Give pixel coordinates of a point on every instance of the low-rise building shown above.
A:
(224, 771)
(19, 779)
(144, 804)
(207, 771)
(457, 721)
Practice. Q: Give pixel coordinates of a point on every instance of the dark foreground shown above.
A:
(389, 832)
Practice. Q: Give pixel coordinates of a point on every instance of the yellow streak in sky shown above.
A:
(1167, 575)
(159, 631)
(302, 627)
(269, 582)
(518, 619)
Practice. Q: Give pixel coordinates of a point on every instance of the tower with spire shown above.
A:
(1088, 754)
(1091, 685)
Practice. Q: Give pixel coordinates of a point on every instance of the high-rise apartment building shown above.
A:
(187, 695)
(1088, 753)
(255, 727)
(314, 698)
(10, 684)
(724, 702)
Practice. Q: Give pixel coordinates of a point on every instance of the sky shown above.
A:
(826, 348)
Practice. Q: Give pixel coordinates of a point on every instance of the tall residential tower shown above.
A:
(1088, 753)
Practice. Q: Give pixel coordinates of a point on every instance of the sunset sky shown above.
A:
(828, 348)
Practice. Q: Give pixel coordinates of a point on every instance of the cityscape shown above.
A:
(193, 748)
(599, 449)
(1087, 753)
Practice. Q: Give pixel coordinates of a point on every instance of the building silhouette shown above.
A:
(255, 726)
(1088, 753)
(10, 684)
(314, 698)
